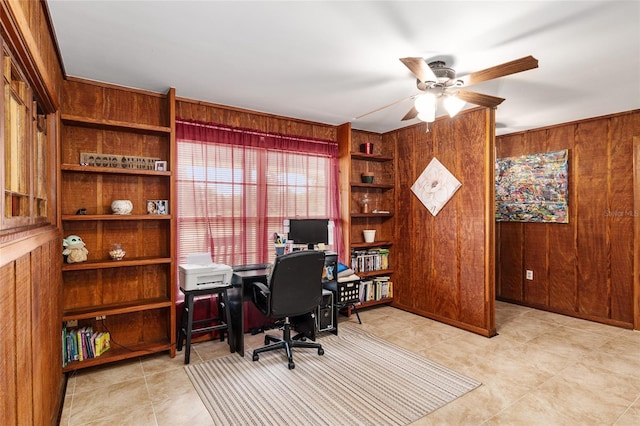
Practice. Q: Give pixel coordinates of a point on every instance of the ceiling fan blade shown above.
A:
(384, 107)
(420, 68)
(413, 113)
(508, 68)
(479, 98)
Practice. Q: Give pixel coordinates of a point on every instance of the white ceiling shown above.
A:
(332, 61)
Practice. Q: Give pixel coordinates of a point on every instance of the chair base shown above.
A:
(286, 343)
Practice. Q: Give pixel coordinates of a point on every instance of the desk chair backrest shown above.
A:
(296, 283)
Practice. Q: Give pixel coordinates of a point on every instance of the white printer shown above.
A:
(200, 273)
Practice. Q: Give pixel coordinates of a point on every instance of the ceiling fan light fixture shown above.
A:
(425, 103)
(427, 116)
(453, 105)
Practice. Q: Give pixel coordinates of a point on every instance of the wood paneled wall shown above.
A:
(583, 268)
(444, 264)
(31, 379)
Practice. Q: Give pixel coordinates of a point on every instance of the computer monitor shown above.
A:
(309, 231)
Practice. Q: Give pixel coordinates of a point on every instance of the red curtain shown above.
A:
(236, 186)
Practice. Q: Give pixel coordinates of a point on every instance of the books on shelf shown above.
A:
(370, 260)
(376, 289)
(83, 343)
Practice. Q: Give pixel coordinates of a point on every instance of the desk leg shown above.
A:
(187, 349)
(228, 318)
(236, 317)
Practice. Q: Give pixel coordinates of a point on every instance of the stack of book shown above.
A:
(83, 343)
(370, 260)
(375, 289)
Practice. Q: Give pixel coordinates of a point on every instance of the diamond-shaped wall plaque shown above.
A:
(435, 186)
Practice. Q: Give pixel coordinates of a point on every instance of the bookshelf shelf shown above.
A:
(117, 353)
(105, 264)
(371, 185)
(114, 309)
(371, 245)
(106, 124)
(375, 273)
(92, 169)
(372, 215)
(370, 157)
(374, 302)
(94, 217)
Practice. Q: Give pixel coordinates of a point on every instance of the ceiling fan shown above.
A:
(437, 82)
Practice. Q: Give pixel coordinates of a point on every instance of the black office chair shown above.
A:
(294, 289)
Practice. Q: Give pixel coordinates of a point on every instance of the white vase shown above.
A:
(121, 206)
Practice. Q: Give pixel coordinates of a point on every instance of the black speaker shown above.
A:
(324, 314)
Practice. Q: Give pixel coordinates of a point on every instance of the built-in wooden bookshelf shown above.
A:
(379, 213)
(133, 298)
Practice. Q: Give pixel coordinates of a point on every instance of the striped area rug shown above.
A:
(360, 380)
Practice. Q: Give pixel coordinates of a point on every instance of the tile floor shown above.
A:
(542, 369)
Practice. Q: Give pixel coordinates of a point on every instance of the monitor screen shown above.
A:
(309, 231)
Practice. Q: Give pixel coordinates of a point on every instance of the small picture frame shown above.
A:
(161, 166)
(160, 207)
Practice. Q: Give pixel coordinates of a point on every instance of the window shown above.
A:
(232, 198)
(25, 159)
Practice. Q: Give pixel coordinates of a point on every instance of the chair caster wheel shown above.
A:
(320, 351)
(291, 366)
(255, 357)
(266, 340)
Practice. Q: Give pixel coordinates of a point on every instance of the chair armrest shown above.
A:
(261, 296)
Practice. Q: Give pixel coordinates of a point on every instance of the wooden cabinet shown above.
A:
(379, 197)
(133, 298)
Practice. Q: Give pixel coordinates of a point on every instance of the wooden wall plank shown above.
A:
(23, 327)
(8, 349)
(593, 236)
(444, 291)
(621, 218)
(473, 207)
(561, 248)
(510, 262)
(407, 284)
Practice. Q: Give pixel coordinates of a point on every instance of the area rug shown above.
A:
(360, 380)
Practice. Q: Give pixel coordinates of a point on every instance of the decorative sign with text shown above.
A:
(118, 161)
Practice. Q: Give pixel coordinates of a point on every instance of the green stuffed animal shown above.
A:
(74, 249)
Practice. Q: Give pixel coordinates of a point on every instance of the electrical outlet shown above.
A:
(529, 274)
(101, 317)
(72, 323)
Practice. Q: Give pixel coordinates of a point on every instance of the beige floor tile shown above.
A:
(631, 417)
(122, 400)
(137, 416)
(160, 362)
(524, 328)
(564, 402)
(570, 342)
(183, 409)
(167, 385)
(210, 350)
(471, 409)
(97, 378)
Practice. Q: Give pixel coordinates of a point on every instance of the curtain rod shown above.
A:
(251, 132)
